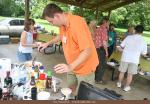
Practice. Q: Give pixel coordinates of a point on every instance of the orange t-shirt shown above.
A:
(76, 37)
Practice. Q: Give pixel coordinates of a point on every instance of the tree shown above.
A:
(37, 7)
(10, 8)
(133, 14)
(117, 16)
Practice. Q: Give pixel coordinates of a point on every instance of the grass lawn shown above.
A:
(1, 18)
(146, 34)
(47, 26)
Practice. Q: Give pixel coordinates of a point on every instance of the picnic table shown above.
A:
(19, 86)
(144, 64)
(42, 37)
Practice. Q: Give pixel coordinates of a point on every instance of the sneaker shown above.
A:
(127, 88)
(101, 82)
(119, 84)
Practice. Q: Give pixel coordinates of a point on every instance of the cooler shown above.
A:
(89, 92)
(4, 39)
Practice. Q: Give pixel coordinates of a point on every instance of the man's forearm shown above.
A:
(106, 50)
(55, 40)
(28, 45)
(85, 54)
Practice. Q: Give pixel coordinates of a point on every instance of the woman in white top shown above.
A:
(26, 42)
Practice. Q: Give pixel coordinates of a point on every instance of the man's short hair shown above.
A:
(105, 18)
(50, 10)
(139, 29)
(111, 24)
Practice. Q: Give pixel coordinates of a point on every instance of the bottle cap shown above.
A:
(49, 73)
(8, 73)
(41, 67)
(33, 67)
(42, 76)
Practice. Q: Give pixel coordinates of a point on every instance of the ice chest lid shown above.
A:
(4, 36)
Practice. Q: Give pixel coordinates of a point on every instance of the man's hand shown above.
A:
(38, 43)
(119, 48)
(41, 47)
(34, 45)
(62, 68)
(106, 54)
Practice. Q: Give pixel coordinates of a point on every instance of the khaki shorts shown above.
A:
(131, 68)
(73, 79)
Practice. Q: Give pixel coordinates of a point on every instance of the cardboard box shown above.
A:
(15, 40)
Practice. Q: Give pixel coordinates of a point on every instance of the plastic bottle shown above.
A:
(8, 79)
(41, 69)
(5, 93)
(32, 82)
(49, 80)
(32, 71)
(23, 76)
(0, 83)
(1, 91)
(36, 72)
(33, 93)
(42, 81)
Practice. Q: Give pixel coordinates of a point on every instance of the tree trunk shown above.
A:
(26, 9)
(97, 12)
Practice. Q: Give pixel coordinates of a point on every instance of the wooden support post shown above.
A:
(109, 13)
(97, 13)
(27, 9)
(81, 11)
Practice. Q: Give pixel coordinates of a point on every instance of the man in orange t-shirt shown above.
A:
(79, 49)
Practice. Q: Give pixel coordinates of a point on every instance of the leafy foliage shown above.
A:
(11, 8)
(37, 7)
(133, 14)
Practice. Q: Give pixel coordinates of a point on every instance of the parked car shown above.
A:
(14, 27)
(12, 22)
(11, 26)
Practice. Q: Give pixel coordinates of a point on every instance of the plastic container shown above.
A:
(43, 95)
(32, 82)
(5, 65)
(41, 81)
(41, 69)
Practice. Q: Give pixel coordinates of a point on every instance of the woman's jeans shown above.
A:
(99, 73)
(22, 57)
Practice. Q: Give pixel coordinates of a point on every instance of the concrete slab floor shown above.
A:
(140, 86)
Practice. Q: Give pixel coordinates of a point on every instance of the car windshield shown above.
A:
(12, 22)
(5, 21)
